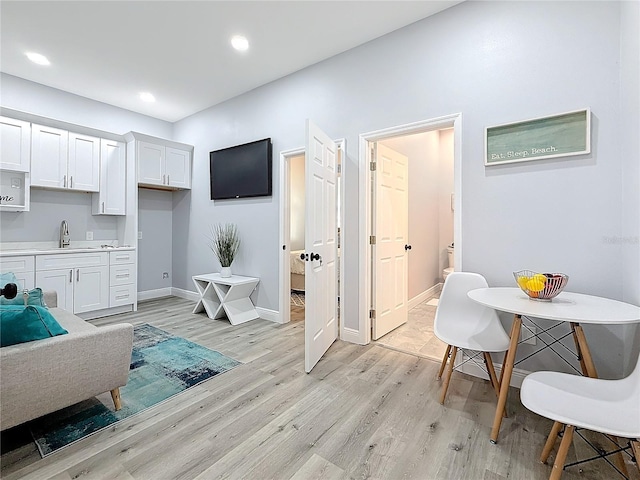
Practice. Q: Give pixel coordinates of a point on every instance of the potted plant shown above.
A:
(224, 241)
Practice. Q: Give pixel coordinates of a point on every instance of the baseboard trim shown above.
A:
(186, 294)
(421, 297)
(152, 294)
(517, 377)
(270, 315)
(352, 336)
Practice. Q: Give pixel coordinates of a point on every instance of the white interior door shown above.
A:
(390, 252)
(320, 321)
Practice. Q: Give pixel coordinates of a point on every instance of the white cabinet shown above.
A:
(22, 266)
(111, 198)
(122, 278)
(163, 166)
(15, 145)
(62, 159)
(80, 280)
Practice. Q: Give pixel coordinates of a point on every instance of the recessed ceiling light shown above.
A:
(38, 58)
(147, 97)
(240, 43)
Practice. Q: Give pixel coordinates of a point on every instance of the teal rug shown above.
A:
(162, 365)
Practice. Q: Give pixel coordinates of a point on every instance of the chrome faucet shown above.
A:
(64, 234)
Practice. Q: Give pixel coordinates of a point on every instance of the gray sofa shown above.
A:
(46, 375)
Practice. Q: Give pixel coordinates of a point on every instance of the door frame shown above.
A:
(365, 205)
(285, 232)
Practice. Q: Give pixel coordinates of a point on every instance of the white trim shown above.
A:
(365, 203)
(285, 234)
(350, 335)
(421, 297)
(342, 146)
(106, 312)
(186, 294)
(270, 315)
(151, 294)
(517, 377)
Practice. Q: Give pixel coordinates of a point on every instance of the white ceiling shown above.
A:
(179, 50)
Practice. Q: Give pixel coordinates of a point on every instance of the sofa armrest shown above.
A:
(50, 298)
(46, 375)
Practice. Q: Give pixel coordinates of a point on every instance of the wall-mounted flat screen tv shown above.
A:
(241, 171)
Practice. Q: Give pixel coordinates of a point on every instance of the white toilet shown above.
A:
(447, 271)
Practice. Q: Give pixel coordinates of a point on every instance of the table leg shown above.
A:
(505, 375)
(589, 370)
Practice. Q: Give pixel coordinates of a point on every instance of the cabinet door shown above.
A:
(84, 163)
(112, 196)
(49, 149)
(91, 289)
(178, 168)
(151, 164)
(62, 282)
(15, 144)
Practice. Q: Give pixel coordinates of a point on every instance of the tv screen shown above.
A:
(241, 171)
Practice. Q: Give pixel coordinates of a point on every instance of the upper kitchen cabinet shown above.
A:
(64, 160)
(15, 144)
(111, 200)
(162, 163)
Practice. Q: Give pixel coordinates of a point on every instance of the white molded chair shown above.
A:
(464, 324)
(611, 407)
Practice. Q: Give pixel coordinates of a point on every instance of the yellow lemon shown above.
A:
(522, 281)
(535, 285)
(540, 277)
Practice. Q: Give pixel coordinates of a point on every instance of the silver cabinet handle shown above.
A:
(164, 179)
(65, 182)
(71, 275)
(71, 182)
(168, 181)
(102, 207)
(78, 275)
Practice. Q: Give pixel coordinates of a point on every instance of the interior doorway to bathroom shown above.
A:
(411, 224)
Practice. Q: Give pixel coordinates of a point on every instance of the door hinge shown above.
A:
(372, 313)
(372, 166)
(372, 240)
(339, 168)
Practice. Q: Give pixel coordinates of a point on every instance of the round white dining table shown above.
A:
(575, 308)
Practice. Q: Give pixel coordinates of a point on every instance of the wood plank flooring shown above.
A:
(365, 412)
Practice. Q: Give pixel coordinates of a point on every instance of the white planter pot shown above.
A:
(225, 272)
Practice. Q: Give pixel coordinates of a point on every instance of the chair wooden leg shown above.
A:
(551, 441)
(558, 465)
(505, 375)
(635, 446)
(115, 395)
(447, 379)
(444, 361)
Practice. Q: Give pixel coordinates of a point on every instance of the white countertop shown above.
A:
(49, 248)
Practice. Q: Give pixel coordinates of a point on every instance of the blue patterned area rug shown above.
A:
(162, 365)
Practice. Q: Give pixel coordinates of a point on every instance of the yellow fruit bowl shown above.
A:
(541, 286)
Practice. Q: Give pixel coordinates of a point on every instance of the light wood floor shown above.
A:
(365, 412)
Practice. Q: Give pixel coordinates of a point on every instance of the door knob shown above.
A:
(315, 256)
(407, 247)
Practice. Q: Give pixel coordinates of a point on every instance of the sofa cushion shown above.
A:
(9, 277)
(70, 322)
(19, 324)
(34, 297)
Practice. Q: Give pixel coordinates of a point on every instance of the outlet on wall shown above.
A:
(89, 235)
(139, 235)
(165, 274)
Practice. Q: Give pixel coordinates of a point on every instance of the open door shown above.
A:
(320, 323)
(390, 250)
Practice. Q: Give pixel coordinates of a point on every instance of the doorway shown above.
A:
(424, 267)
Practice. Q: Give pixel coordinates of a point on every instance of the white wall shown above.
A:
(297, 192)
(495, 62)
(154, 248)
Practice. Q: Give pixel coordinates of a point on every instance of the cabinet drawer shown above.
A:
(122, 274)
(122, 295)
(52, 262)
(116, 258)
(25, 263)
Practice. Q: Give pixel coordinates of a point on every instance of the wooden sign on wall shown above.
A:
(559, 135)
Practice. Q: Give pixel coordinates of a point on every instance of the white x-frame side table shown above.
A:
(228, 296)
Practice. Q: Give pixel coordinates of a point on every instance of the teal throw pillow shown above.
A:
(9, 277)
(34, 297)
(20, 324)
